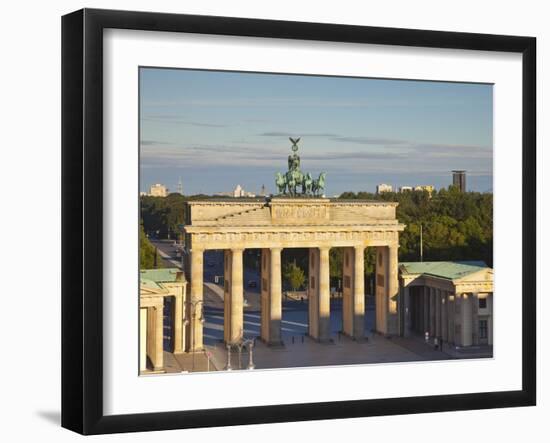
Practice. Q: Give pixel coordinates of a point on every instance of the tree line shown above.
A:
(455, 226)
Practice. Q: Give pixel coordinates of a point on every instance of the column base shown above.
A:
(271, 343)
(323, 341)
(152, 371)
(192, 351)
(359, 339)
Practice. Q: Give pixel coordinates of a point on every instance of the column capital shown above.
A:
(275, 248)
(237, 250)
(360, 247)
(324, 248)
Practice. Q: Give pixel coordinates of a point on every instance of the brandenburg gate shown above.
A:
(277, 223)
(294, 219)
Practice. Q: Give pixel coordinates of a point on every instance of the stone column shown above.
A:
(359, 292)
(466, 319)
(324, 295)
(313, 293)
(194, 308)
(264, 294)
(233, 314)
(407, 311)
(393, 289)
(475, 319)
(353, 303)
(347, 290)
(275, 297)
(438, 313)
(426, 309)
(490, 319)
(179, 332)
(158, 353)
(143, 339)
(431, 291)
(381, 284)
(444, 317)
(451, 315)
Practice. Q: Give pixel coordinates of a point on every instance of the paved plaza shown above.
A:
(298, 348)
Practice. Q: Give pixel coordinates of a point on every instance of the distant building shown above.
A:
(240, 192)
(405, 189)
(158, 190)
(428, 188)
(382, 187)
(459, 180)
(451, 301)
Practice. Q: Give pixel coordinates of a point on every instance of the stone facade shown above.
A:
(155, 286)
(274, 224)
(452, 301)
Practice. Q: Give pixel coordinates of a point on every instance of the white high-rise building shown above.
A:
(382, 187)
(238, 191)
(158, 190)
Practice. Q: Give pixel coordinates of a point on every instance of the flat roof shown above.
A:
(450, 270)
(161, 275)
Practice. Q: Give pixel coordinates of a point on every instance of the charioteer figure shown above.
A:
(289, 183)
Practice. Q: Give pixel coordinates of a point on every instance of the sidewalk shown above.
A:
(417, 344)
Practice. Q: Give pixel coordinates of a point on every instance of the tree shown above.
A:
(456, 225)
(294, 275)
(148, 256)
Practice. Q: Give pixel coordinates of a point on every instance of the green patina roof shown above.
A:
(451, 270)
(149, 284)
(161, 275)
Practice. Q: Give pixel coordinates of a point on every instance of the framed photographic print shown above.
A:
(269, 221)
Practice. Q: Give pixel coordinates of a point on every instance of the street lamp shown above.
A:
(240, 345)
(228, 365)
(250, 360)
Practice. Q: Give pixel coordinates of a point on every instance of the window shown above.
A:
(380, 280)
(347, 259)
(380, 259)
(482, 303)
(483, 329)
(312, 283)
(264, 284)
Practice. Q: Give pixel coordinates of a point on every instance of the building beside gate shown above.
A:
(451, 301)
(162, 316)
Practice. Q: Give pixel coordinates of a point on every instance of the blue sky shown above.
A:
(218, 129)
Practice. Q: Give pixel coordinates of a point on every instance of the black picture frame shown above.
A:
(82, 231)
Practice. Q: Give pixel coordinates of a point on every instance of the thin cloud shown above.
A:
(180, 121)
(290, 134)
(153, 143)
(259, 102)
(369, 140)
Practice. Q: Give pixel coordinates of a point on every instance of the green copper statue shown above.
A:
(289, 183)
